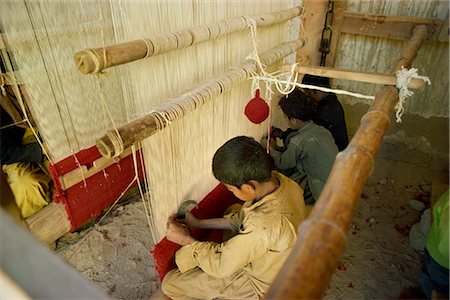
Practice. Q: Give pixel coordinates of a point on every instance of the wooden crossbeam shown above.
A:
(79, 174)
(368, 77)
(393, 27)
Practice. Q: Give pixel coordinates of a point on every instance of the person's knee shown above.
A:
(169, 286)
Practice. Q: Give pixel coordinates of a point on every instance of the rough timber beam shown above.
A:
(322, 237)
(376, 78)
(393, 27)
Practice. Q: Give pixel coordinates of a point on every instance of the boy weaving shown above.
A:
(265, 230)
(309, 148)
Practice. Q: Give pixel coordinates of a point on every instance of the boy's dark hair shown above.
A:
(316, 80)
(240, 160)
(298, 105)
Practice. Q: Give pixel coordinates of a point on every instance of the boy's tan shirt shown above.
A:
(267, 233)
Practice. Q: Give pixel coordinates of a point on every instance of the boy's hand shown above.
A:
(178, 232)
(190, 220)
(276, 132)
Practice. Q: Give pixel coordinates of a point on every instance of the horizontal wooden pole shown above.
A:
(322, 237)
(115, 141)
(50, 223)
(95, 60)
(393, 27)
(368, 77)
(83, 172)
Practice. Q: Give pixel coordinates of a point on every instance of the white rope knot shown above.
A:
(404, 77)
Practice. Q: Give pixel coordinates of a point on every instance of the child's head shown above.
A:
(240, 161)
(298, 105)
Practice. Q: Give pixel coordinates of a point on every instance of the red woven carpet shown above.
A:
(212, 206)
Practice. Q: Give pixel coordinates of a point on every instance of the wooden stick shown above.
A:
(392, 27)
(114, 142)
(50, 223)
(97, 59)
(83, 172)
(312, 20)
(322, 237)
(369, 77)
(338, 18)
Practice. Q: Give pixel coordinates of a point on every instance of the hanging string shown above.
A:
(144, 203)
(119, 140)
(404, 77)
(13, 124)
(319, 88)
(254, 55)
(96, 225)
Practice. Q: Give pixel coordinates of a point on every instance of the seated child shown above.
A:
(309, 148)
(329, 112)
(265, 230)
(434, 276)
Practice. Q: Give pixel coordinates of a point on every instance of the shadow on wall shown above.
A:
(416, 140)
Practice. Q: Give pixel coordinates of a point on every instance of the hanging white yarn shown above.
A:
(287, 81)
(285, 89)
(404, 77)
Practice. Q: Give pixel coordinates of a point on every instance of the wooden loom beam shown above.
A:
(393, 27)
(97, 59)
(115, 141)
(50, 223)
(322, 237)
(368, 77)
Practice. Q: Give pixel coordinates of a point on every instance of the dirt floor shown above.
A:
(379, 262)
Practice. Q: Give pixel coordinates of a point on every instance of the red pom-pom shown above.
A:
(257, 109)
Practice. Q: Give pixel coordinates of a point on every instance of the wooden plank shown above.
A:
(50, 223)
(385, 26)
(339, 7)
(313, 20)
(77, 175)
(376, 78)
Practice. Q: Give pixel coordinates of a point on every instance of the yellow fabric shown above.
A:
(29, 186)
(28, 137)
(245, 265)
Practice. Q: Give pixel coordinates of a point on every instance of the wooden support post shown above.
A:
(376, 78)
(50, 223)
(116, 141)
(322, 237)
(339, 7)
(313, 20)
(97, 59)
